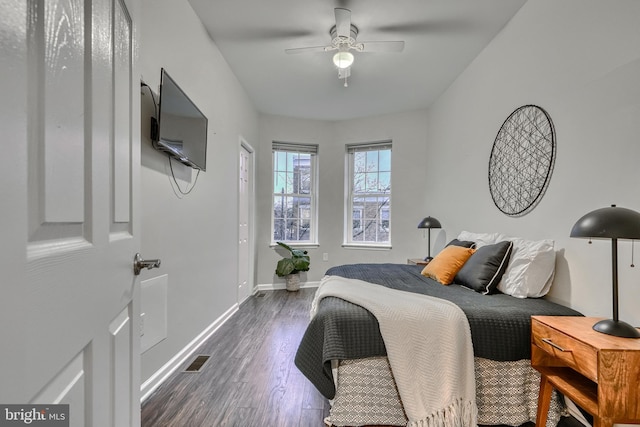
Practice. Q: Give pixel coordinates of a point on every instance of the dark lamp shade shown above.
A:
(608, 223)
(611, 223)
(429, 222)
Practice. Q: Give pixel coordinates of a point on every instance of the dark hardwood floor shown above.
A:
(250, 379)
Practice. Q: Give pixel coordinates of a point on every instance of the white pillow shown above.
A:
(481, 239)
(531, 268)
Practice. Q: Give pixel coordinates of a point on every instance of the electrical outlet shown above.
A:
(325, 256)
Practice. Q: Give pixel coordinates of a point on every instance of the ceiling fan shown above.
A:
(344, 40)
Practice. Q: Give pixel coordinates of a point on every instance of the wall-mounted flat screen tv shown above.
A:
(182, 128)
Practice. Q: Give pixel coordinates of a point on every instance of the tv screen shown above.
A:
(182, 128)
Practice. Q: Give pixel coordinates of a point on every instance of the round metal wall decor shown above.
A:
(522, 160)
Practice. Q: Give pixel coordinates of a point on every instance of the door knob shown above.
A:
(139, 264)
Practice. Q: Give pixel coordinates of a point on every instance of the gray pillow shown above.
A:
(483, 271)
(463, 243)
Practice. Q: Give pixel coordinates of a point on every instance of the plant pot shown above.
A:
(293, 282)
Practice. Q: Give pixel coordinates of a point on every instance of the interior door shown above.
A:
(70, 173)
(244, 223)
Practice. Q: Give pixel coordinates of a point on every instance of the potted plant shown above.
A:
(290, 268)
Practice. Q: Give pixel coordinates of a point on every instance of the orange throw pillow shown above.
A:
(447, 263)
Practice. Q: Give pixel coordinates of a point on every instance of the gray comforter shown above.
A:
(500, 324)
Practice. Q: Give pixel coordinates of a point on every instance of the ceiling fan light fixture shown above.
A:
(343, 59)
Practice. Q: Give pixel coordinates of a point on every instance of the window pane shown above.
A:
(278, 206)
(383, 235)
(385, 161)
(278, 229)
(372, 182)
(370, 234)
(293, 199)
(280, 161)
(371, 207)
(358, 233)
(384, 182)
(290, 160)
(370, 215)
(384, 213)
(302, 204)
(359, 182)
(359, 161)
(372, 161)
(305, 229)
(288, 207)
(305, 180)
(296, 182)
(288, 189)
(292, 230)
(305, 211)
(279, 182)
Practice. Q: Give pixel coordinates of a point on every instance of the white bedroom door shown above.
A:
(69, 228)
(244, 223)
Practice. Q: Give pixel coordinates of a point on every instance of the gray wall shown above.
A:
(407, 131)
(582, 66)
(580, 60)
(194, 235)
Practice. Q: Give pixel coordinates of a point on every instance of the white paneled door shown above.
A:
(245, 195)
(69, 227)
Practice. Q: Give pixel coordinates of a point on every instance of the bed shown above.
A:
(342, 352)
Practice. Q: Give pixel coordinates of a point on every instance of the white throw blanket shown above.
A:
(429, 348)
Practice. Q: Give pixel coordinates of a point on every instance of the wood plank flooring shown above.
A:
(250, 379)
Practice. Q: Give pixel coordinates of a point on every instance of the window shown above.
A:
(294, 193)
(369, 194)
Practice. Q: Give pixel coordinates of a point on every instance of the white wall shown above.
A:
(579, 60)
(407, 131)
(195, 235)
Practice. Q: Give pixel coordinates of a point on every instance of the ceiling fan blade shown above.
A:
(264, 34)
(383, 46)
(309, 49)
(445, 26)
(343, 22)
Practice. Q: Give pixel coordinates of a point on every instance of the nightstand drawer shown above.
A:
(574, 353)
(599, 372)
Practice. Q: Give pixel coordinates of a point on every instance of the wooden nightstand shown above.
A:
(417, 261)
(599, 372)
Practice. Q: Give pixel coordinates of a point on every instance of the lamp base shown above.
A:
(617, 328)
(428, 259)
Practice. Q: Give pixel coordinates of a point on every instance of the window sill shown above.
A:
(366, 246)
(308, 245)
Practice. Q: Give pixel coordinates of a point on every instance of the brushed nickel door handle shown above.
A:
(139, 264)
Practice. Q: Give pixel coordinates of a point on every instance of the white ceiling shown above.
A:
(441, 38)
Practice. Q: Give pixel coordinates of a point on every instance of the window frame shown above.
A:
(349, 206)
(299, 148)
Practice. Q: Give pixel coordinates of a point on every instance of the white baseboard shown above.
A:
(278, 286)
(150, 385)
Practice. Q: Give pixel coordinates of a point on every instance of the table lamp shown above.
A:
(611, 223)
(429, 223)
